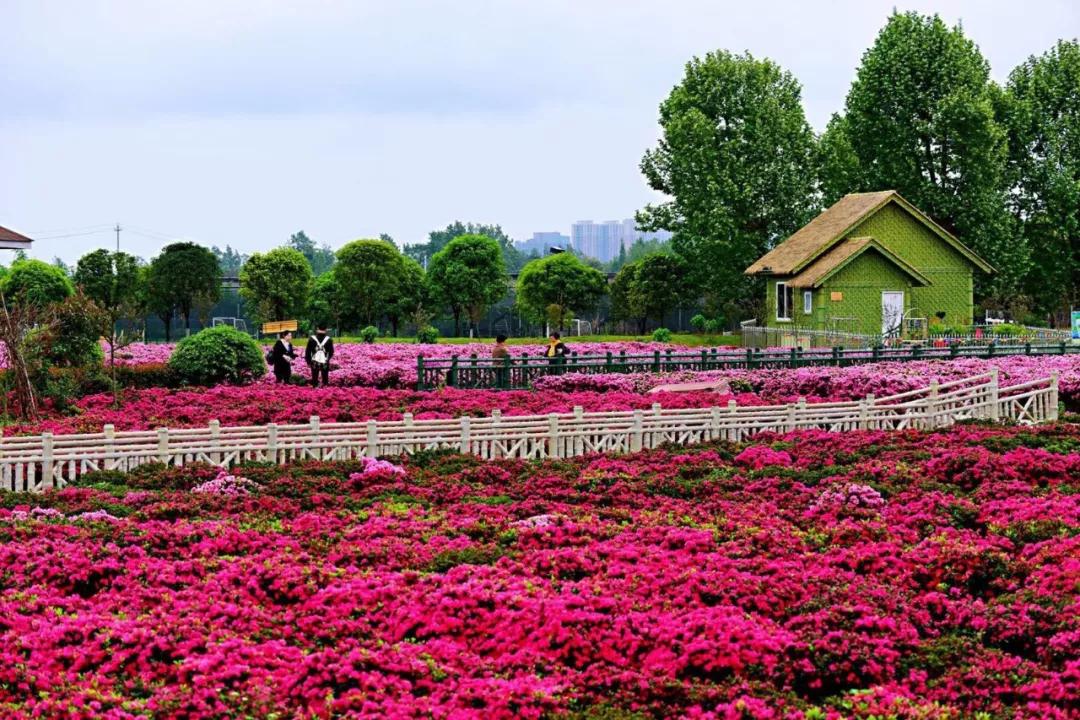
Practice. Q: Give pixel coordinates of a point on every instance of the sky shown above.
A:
(239, 122)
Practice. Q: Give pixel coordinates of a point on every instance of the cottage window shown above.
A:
(785, 300)
(807, 302)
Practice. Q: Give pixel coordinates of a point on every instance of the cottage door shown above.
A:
(892, 312)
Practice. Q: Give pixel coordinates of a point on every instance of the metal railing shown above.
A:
(520, 372)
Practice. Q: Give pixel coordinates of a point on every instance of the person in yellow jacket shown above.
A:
(556, 348)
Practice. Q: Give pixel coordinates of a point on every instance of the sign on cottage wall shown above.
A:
(836, 296)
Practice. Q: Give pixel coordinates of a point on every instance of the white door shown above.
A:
(892, 312)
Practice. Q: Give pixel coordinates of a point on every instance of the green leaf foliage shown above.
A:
(370, 275)
(36, 283)
(556, 287)
(736, 156)
(183, 277)
(649, 288)
(468, 276)
(1042, 115)
(920, 118)
(276, 284)
(215, 355)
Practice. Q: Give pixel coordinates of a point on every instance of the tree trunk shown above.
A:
(457, 323)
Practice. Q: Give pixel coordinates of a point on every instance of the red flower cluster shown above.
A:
(813, 575)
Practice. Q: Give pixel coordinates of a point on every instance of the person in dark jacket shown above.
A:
(320, 348)
(281, 357)
(556, 347)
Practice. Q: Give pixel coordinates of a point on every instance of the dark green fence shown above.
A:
(520, 372)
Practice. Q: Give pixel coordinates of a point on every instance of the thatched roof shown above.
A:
(821, 233)
(843, 253)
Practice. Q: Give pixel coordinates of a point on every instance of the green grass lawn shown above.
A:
(687, 339)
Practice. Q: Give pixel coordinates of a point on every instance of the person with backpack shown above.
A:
(281, 356)
(320, 348)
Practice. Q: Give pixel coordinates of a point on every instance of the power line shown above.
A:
(68, 235)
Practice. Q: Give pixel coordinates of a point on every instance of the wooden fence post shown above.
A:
(314, 423)
(733, 410)
(408, 419)
(864, 413)
(932, 419)
(714, 422)
(420, 372)
(995, 410)
(1052, 411)
(163, 445)
(215, 441)
(496, 436)
(109, 432)
(577, 446)
(791, 417)
(48, 475)
(553, 436)
(465, 442)
(271, 443)
(637, 434)
(372, 439)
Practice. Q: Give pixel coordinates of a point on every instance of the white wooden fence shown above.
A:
(40, 462)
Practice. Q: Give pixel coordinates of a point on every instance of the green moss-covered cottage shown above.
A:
(866, 265)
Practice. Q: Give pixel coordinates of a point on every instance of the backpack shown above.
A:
(319, 356)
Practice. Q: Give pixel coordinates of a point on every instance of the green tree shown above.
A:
(370, 274)
(555, 288)
(36, 283)
(321, 258)
(230, 261)
(326, 303)
(1042, 112)
(468, 275)
(837, 164)
(111, 281)
(920, 118)
(736, 158)
(438, 239)
(625, 300)
(183, 277)
(414, 297)
(276, 284)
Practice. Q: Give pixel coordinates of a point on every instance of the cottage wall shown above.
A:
(861, 283)
(949, 272)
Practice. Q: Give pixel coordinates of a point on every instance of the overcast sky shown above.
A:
(241, 121)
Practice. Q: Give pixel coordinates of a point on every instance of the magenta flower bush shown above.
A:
(812, 575)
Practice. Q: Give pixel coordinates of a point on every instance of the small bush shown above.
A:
(698, 322)
(712, 325)
(73, 338)
(369, 334)
(216, 355)
(427, 335)
(146, 375)
(661, 335)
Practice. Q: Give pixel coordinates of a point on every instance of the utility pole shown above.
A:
(117, 229)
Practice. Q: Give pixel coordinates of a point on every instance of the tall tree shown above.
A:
(230, 261)
(555, 288)
(438, 239)
(920, 117)
(184, 276)
(276, 284)
(736, 158)
(468, 275)
(370, 274)
(326, 305)
(320, 257)
(1042, 113)
(111, 281)
(837, 164)
(414, 294)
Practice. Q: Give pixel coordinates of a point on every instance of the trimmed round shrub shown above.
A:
(369, 334)
(661, 335)
(215, 355)
(427, 335)
(36, 283)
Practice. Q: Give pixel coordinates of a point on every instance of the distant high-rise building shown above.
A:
(541, 242)
(603, 240)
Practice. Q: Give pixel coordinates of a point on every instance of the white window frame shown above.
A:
(808, 302)
(782, 290)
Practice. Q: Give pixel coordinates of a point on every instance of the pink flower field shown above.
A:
(810, 576)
